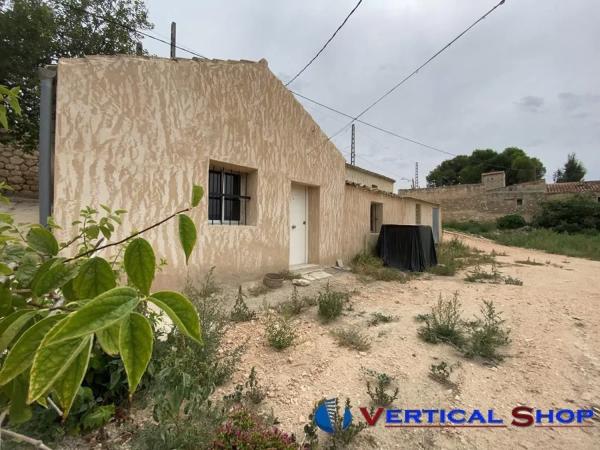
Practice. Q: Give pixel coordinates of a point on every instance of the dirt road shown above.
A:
(553, 360)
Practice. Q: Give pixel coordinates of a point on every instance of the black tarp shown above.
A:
(407, 247)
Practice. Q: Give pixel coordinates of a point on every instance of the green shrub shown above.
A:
(510, 222)
(444, 323)
(331, 303)
(441, 372)
(295, 305)
(367, 265)
(380, 396)
(240, 311)
(341, 439)
(377, 318)
(250, 390)
(454, 255)
(571, 215)
(279, 332)
(487, 334)
(351, 338)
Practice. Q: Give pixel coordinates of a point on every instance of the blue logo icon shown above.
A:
(326, 416)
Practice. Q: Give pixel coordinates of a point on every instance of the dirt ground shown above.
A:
(552, 361)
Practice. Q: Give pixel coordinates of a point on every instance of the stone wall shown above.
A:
(476, 202)
(19, 169)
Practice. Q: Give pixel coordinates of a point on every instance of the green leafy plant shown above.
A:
(341, 439)
(295, 305)
(240, 311)
(441, 373)
(529, 262)
(55, 306)
(371, 267)
(250, 390)
(279, 332)
(331, 303)
(487, 333)
(351, 338)
(383, 382)
(444, 323)
(378, 317)
(9, 100)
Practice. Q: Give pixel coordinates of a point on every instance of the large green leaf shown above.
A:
(140, 264)
(197, 194)
(28, 267)
(95, 277)
(12, 325)
(66, 387)
(41, 240)
(181, 311)
(19, 358)
(51, 360)
(135, 345)
(187, 235)
(19, 411)
(108, 338)
(56, 276)
(99, 313)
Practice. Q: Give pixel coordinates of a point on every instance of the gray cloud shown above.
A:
(530, 103)
(477, 94)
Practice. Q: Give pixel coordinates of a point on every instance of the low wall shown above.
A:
(19, 170)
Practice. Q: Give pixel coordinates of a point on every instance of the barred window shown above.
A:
(227, 199)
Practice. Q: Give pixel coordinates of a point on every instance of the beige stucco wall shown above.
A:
(360, 177)
(357, 235)
(136, 132)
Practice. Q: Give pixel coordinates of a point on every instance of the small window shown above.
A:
(227, 199)
(418, 214)
(519, 202)
(376, 217)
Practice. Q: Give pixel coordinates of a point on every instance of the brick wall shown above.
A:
(19, 169)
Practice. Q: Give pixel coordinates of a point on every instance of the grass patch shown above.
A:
(478, 275)
(441, 373)
(371, 267)
(296, 304)
(487, 334)
(529, 262)
(581, 245)
(454, 255)
(351, 338)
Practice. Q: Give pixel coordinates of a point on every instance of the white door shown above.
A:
(298, 226)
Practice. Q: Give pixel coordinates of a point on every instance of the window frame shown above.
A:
(222, 196)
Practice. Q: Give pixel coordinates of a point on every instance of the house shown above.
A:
(365, 177)
(136, 132)
(491, 198)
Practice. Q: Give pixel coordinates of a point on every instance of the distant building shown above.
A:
(365, 177)
(491, 198)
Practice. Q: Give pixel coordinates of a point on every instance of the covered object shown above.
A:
(407, 247)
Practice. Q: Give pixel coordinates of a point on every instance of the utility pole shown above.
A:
(173, 38)
(352, 149)
(416, 175)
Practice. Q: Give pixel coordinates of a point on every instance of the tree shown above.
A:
(573, 170)
(463, 169)
(34, 33)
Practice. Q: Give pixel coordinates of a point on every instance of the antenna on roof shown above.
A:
(352, 149)
(173, 39)
(416, 182)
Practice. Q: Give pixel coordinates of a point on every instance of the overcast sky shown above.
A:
(527, 76)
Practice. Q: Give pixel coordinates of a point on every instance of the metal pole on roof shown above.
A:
(173, 38)
(352, 149)
(46, 142)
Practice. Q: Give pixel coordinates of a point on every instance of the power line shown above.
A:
(326, 44)
(383, 130)
(414, 72)
(126, 27)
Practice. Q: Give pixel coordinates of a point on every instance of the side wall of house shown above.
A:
(356, 230)
(136, 133)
